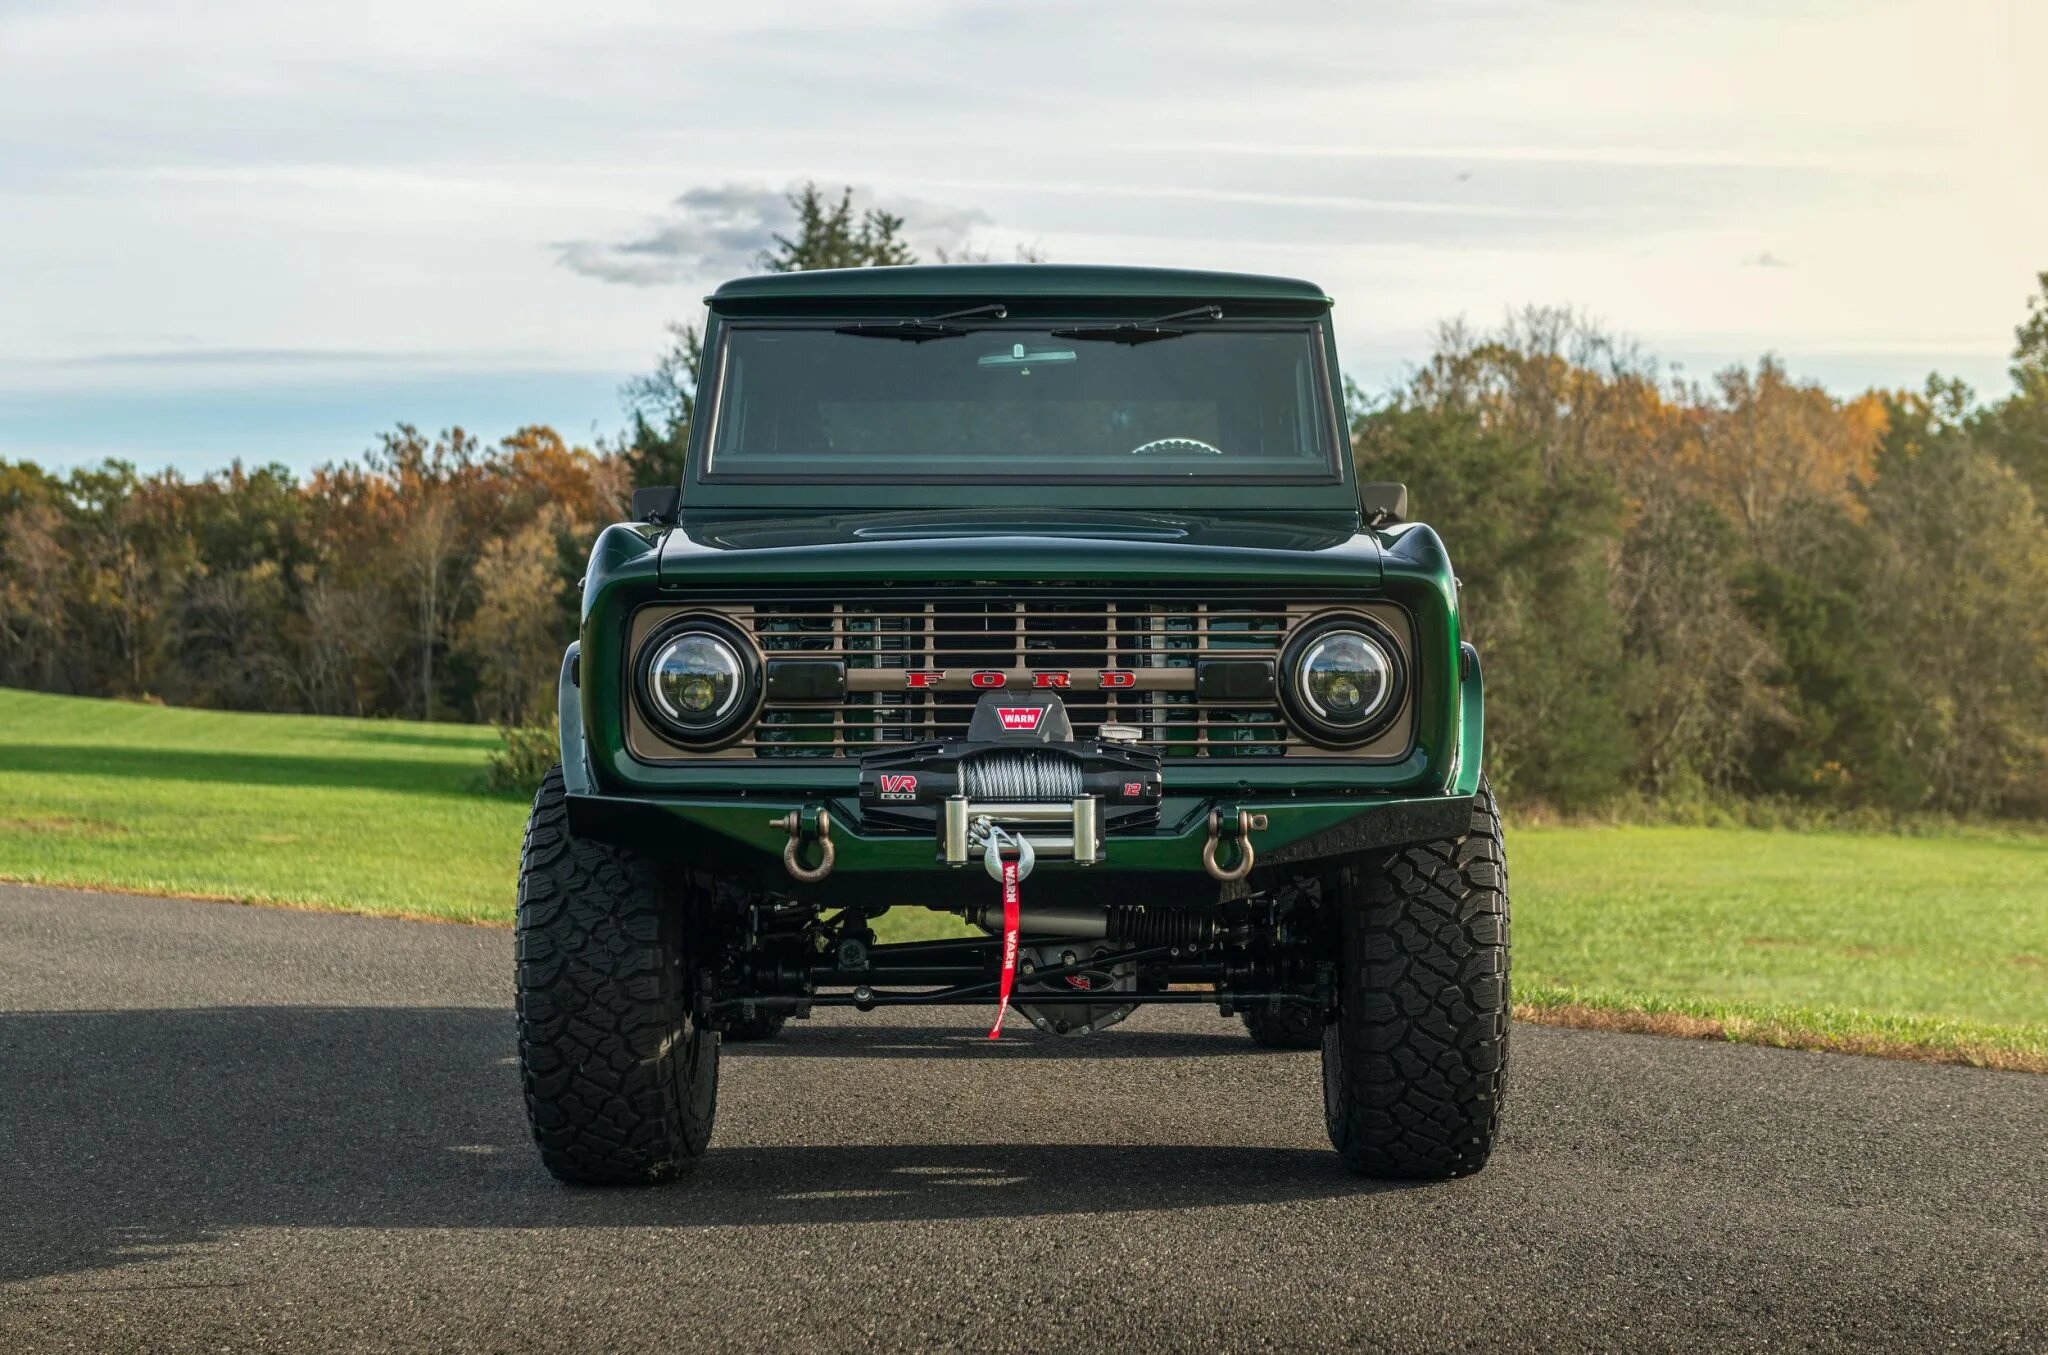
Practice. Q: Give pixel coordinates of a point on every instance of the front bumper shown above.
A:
(746, 834)
(745, 831)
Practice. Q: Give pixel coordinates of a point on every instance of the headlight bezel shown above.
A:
(1302, 711)
(738, 715)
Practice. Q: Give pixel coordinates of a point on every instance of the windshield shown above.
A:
(920, 402)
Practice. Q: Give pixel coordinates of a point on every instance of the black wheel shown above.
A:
(1296, 1025)
(759, 1026)
(1414, 1064)
(621, 1081)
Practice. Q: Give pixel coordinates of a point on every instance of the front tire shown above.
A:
(1415, 1063)
(621, 1080)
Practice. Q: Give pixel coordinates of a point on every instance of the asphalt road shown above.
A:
(233, 1128)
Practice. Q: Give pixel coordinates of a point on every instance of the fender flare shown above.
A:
(577, 777)
(1471, 754)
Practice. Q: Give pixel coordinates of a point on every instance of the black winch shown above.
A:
(1019, 764)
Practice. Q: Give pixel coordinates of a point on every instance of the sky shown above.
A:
(268, 231)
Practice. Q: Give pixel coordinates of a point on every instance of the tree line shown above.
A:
(435, 578)
(1742, 586)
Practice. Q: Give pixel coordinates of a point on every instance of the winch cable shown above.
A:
(1021, 776)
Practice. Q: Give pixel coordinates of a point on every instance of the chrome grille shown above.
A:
(1159, 641)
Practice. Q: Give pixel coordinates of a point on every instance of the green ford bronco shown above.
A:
(1046, 597)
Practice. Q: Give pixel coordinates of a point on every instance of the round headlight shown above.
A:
(696, 681)
(1345, 680)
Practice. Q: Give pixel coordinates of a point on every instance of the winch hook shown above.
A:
(993, 836)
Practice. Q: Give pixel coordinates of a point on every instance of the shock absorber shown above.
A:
(1133, 924)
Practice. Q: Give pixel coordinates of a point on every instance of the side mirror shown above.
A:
(658, 504)
(1382, 502)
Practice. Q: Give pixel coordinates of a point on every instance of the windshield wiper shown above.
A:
(930, 327)
(1137, 332)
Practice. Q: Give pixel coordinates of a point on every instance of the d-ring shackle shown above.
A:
(792, 823)
(1247, 822)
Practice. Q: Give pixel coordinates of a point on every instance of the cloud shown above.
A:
(715, 233)
(706, 232)
(1765, 259)
(249, 357)
(197, 369)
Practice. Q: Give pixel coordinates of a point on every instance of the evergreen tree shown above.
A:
(829, 234)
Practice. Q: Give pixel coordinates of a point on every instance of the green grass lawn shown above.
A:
(375, 815)
(1855, 941)
(1805, 938)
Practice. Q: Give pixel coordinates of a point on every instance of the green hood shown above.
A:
(1305, 550)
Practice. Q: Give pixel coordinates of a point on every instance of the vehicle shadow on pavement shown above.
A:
(969, 1040)
(126, 1136)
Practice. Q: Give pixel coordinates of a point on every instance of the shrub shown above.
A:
(523, 756)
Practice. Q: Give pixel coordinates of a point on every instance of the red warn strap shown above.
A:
(1009, 976)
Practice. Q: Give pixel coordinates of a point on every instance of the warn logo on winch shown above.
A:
(1020, 717)
(898, 786)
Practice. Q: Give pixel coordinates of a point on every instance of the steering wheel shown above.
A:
(1175, 445)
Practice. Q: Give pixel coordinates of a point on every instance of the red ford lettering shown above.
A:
(1118, 678)
(1050, 678)
(924, 679)
(989, 677)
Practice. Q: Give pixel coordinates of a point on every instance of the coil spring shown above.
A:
(1136, 925)
(1019, 775)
